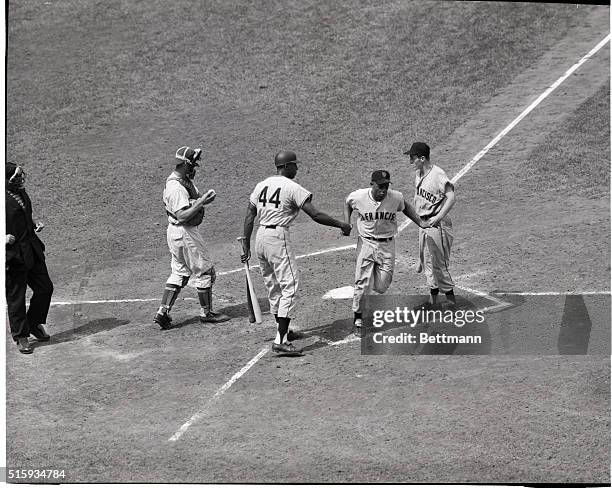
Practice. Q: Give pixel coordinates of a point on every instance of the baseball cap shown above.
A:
(191, 156)
(284, 157)
(418, 149)
(381, 176)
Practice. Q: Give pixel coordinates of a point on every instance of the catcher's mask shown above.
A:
(188, 155)
(190, 158)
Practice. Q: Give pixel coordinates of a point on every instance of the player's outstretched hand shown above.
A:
(346, 229)
(10, 239)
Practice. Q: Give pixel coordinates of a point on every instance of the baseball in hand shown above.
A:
(209, 196)
(10, 239)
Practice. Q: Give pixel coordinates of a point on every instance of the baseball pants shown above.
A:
(278, 269)
(18, 278)
(373, 269)
(189, 257)
(434, 255)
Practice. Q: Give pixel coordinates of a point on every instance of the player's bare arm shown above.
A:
(412, 215)
(449, 201)
(249, 222)
(322, 218)
(348, 211)
(186, 214)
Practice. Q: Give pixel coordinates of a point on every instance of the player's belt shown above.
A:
(378, 239)
(272, 226)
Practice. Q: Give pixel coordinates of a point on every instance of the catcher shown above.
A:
(185, 208)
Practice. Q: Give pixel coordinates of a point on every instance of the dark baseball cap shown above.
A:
(188, 155)
(285, 157)
(381, 176)
(418, 149)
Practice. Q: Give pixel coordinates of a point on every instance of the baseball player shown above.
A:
(185, 208)
(433, 199)
(277, 201)
(376, 208)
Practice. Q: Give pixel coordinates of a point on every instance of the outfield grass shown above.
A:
(575, 156)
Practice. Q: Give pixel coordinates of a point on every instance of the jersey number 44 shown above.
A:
(274, 198)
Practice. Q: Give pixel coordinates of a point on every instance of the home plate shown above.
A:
(339, 293)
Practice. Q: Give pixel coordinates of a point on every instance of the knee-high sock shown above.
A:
(282, 329)
(205, 297)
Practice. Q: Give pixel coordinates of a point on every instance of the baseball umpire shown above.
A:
(185, 208)
(434, 197)
(376, 208)
(25, 264)
(277, 201)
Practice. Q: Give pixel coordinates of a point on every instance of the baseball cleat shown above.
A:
(38, 331)
(163, 320)
(213, 318)
(286, 349)
(24, 346)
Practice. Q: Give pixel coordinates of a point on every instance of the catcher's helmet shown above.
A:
(188, 155)
(284, 157)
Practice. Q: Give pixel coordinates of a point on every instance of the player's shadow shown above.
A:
(90, 328)
(240, 310)
(336, 331)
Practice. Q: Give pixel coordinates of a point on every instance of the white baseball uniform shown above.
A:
(434, 242)
(278, 200)
(377, 226)
(187, 247)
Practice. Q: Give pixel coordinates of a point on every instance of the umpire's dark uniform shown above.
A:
(25, 266)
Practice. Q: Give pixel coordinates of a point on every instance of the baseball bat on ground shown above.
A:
(250, 302)
(251, 297)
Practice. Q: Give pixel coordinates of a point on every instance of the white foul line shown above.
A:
(465, 169)
(198, 415)
(407, 222)
(550, 293)
(523, 114)
(221, 273)
(499, 304)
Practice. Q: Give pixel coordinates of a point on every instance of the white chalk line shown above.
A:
(198, 415)
(465, 169)
(221, 273)
(406, 223)
(550, 293)
(523, 114)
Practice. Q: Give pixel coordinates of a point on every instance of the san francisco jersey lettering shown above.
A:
(376, 219)
(429, 195)
(278, 200)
